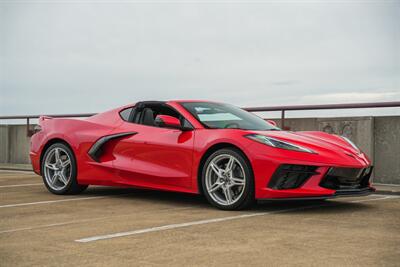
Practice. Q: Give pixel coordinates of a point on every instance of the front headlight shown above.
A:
(351, 143)
(277, 143)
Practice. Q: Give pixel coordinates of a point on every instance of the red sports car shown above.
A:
(231, 156)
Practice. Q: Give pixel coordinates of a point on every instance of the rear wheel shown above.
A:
(59, 170)
(227, 180)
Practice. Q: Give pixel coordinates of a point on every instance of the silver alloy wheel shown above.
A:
(225, 179)
(57, 168)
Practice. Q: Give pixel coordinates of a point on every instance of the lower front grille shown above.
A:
(289, 176)
(347, 178)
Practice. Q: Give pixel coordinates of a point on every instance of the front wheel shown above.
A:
(227, 180)
(59, 170)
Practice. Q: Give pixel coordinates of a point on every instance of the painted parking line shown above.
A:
(209, 221)
(19, 176)
(375, 199)
(19, 185)
(52, 201)
(2, 171)
(89, 220)
(47, 225)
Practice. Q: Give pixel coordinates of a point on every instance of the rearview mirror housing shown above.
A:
(166, 121)
(271, 122)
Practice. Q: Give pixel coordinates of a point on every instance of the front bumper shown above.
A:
(290, 181)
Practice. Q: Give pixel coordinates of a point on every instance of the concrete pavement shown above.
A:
(127, 227)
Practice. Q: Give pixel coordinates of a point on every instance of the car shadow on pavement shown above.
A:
(133, 194)
(198, 201)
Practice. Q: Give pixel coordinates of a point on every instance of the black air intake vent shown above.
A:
(289, 176)
(346, 178)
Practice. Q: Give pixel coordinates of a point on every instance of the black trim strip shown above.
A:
(354, 192)
(364, 192)
(96, 150)
(296, 198)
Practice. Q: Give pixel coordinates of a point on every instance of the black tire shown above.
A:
(247, 198)
(72, 187)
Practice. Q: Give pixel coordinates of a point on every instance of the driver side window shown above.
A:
(148, 114)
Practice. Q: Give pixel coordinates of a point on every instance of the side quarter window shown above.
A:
(126, 114)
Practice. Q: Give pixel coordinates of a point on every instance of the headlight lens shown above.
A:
(277, 143)
(351, 143)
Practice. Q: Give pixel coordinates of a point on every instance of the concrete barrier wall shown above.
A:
(14, 144)
(4, 147)
(387, 149)
(379, 137)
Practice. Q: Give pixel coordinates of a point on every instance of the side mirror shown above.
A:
(271, 122)
(167, 122)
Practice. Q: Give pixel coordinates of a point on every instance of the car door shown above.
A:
(154, 157)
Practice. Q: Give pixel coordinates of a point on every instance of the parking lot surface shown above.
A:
(129, 227)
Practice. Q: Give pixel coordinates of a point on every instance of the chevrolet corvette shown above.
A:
(225, 153)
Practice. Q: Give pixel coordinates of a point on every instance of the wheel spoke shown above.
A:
(237, 181)
(50, 166)
(57, 154)
(228, 194)
(65, 163)
(229, 165)
(62, 178)
(217, 185)
(215, 168)
(54, 178)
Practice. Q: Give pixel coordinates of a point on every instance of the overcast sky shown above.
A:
(89, 56)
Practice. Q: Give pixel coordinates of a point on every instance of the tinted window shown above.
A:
(219, 116)
(146, 115)
(125, 114)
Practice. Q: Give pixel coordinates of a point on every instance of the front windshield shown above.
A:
(220, 116)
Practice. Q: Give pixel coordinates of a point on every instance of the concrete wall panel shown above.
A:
(387, 150)
(4, 148)
(18, 144)
(306, 124)
(360, 130)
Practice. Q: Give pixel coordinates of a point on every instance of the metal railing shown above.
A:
(29, 132)
(282, 109)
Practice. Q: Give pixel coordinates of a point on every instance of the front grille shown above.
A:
(289, 176)
(346, 178)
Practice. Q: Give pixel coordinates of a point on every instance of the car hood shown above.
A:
(325, 145)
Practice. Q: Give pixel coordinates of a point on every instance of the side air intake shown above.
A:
(289, 176)
(96, 150)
